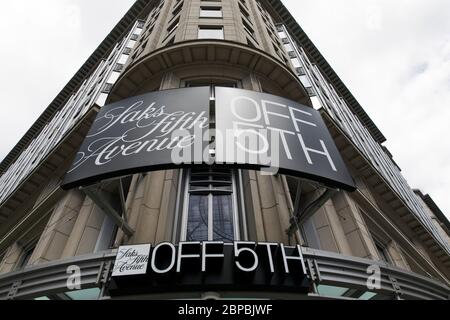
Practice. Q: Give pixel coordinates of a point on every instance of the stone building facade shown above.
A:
(248, 44)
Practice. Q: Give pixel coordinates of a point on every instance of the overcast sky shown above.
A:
(394, 56)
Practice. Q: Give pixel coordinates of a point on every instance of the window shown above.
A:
(177, 9)
(211, 12)
(123, 59)
(126, 51)
(141, 24)
(270, 30)
(300, 71)
(171, 41)
(107, 88)
(248, 28)
(210, 206)
(114, 76)
(81, 295)
(305, 81)
(78, 295)
(118, 67)
(288, 47)
(210, 32)
(278, 52)
(26, 256)
(296, 63)
(173, 26)
(131, 44)
(250, 43)
(310, 91)
(382, 250)
(244, 11)
(292, 55)
(214, 83)
(143, 46)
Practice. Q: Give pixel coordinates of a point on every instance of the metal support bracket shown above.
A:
(396, 287)
(103, 277)
(313, 270)
(103, 273)
(101, 199)
(310, 210)
(13, 291)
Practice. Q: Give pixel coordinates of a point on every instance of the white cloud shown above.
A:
(31, 57)
(394, 56)
(44, 43)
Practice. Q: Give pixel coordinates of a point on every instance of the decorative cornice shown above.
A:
(201, 52)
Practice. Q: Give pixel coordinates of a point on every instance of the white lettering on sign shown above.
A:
(163, 130)
(132, 260)
(153, 131)
(270, 111)
(245, 256)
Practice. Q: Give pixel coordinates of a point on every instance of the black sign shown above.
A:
(209, 266)
(170, 129)
(264, 130)
(142, 134)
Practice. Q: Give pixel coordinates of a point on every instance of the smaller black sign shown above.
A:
(209, 266)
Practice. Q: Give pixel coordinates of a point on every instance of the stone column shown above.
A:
(397, 256)
(365, 190)
(354, 227)
(151, 207)
(54, 238)
(267, 210)
(84, 235)
(168, 206)
(11, 258)
(329, 230)
(255, 221)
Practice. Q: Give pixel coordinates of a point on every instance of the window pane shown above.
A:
(367, 296)
(88, 294)
(210, 33)
(211, 12)
(25, 259)
(382, 252)
(197, 228)
(330, 291)
(223, 218)
(296, 63)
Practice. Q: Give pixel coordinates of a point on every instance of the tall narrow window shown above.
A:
(382, 249)
(26, 256)
(248, 29)
(210, 212)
